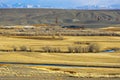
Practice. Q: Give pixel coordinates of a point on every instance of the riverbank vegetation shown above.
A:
(70, 44)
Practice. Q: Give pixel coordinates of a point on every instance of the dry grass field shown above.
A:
(80, 65)
(100, 60)
(100, 64)
(36, 42)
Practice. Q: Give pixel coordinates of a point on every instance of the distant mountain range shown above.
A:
(18, 5)
(98, 7)
(87, 7)
(86, 18)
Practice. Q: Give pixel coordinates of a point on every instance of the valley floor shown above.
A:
(18, 65)
(99, 66)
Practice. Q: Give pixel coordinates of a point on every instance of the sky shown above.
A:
(66, 3)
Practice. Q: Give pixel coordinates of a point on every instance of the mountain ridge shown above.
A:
(87, 18)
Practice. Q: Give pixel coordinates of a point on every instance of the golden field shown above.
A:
(99, 59)
(36, 42)
(89, 65)
(103, 64)
(91, 59)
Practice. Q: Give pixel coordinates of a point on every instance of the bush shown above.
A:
(45, 49)
(30, 49)
(82, 49)
(14, 48)
(78, 49)
(71, 49)
(85, 49)
(23, 48)
(81, 42)
(56, 49)
(51, 49)
(94, 48)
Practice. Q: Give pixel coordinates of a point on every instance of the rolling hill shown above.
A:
(87, 18)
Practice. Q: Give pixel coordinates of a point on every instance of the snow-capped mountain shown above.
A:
(21, 5)
(64, 4)
(98, 7)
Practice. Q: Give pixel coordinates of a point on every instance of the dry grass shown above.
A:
(103, 41)
(102, 59)
(111, 28)
(89, 59)
(38, 37)
(83, 72)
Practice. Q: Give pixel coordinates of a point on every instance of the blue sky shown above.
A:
(66, 3)
(80, 2)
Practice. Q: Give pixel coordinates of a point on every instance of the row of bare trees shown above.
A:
(22, 48)
(84, 49)
(93, 48)
(49, 49)
(56, 31)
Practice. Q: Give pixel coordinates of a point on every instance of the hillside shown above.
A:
(87, 18)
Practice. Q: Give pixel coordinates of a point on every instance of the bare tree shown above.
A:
(14, 48)
(71, 49)
(23, 48)
(94, 47)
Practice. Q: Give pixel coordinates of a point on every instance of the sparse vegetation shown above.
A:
(84, 44)
(94, 48)
(23, 48)
(49, 49)
(83, 49)
(14, 48)
(81, 42)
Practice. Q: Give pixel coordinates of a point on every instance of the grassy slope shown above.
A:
(88, 18)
